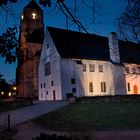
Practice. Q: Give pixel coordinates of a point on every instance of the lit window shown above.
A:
(34, 15)
(84, 67)
(47, 69)
(128, 86)
(90, 87)
(100, 68)
(22, 17)
(103, 87)
(91, 67)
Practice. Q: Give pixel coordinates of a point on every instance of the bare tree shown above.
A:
(129, 22)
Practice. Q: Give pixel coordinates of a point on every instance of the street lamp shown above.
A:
(14, 89)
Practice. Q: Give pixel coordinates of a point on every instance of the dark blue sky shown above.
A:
(106, 15)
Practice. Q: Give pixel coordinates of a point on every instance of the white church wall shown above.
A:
(49, 85)
(96, 78)
(132, 75)
(71, 76)
(119, 79)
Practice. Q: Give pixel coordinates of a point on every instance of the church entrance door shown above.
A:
(54, 96)
(135, 89)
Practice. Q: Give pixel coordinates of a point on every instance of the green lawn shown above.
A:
(86, 116)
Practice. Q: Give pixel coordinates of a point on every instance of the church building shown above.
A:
(66, 62)
(31, 39)
(82, 64)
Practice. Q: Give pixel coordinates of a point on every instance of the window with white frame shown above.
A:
(103, 87)
(84, 67)
(128, 86)
(91, 67)
(72, 80)
(100, 67)
(90, 87)
(47, 69)
(48, 45)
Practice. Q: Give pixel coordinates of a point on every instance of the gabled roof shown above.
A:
(33, 5)
(71, 44)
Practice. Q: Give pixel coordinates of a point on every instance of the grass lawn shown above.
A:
(99, 116)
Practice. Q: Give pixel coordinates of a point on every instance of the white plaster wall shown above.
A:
(70, 69)
(133, 79)
(97, 77)
(49, 55)
(119, 79)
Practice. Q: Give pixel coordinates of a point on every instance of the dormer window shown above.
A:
(34, 15)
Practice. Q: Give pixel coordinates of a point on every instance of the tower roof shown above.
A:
(33, 5)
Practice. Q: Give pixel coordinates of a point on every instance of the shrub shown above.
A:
(51, 137)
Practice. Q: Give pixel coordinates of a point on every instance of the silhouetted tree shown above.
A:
(129, 22)
(8, 44)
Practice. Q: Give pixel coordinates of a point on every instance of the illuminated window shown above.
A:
(34, 15)
(22, 17)
(90, 87)
(91, 67)
(103, 87)
(47, 69)
(84, 67)
(128, 86)
(100, 68)
(135, 89)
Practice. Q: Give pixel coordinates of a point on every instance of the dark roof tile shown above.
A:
(71, 44)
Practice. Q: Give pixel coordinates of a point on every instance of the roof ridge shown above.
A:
(33, 5)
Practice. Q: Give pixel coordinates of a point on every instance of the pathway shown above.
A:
(22, 115)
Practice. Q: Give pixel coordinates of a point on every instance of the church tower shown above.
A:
(30, 40)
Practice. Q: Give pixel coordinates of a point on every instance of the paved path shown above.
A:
(27, 131)
(22, 115)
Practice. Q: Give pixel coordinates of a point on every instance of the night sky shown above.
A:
(106, 15)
